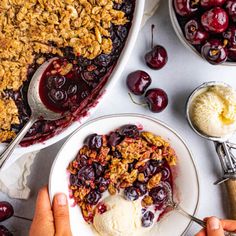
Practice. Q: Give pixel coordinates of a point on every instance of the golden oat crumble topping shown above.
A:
(8, 116)
(30, 27)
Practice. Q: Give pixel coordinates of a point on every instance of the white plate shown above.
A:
(186, 182)
(114, 77)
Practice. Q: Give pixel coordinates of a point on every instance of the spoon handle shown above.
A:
(193, 218)
(8, 151)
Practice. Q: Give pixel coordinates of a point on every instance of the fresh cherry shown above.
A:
(186, 7)
(230, 35)
(156, 99)
(147, 219)
(212, 3)
(214, 52)
(6, 210)
(215, 20)
(195, 33)
(157, 57)
(232, 54)
(231, 9)
(4, 231)
(138, 82)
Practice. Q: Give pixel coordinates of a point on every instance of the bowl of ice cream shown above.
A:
(92, 70)
(115, 170)
(211, 110)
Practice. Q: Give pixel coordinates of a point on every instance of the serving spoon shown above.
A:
(38, 110)
(223, 148)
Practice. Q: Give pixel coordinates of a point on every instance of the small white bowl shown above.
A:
(186, 178)
(182, 38)
(114, 77)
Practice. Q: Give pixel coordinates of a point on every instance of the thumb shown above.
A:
(61, 215)
(214, 227)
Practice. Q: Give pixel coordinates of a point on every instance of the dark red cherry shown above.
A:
(147, 219)
(232, 54)
(186, 7)
(158, 194)
(93, 197)
(94, 141)
(156, 99)
(195, 33)
(214, 52)
(130, 131)
(114, 139)
(231, 9)
(138, 81)
(215, 20)
(4, 231)
(131, 193)
(157, 57)
(230, 35)
(6, 210)
(212, 3)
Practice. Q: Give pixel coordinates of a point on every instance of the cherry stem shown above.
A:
(132, 99)
(22, 218)
(152, 43)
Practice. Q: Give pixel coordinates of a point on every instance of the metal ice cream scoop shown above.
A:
(38, 111)
(223, 148)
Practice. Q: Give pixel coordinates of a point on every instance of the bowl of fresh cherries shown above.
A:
(207, 27)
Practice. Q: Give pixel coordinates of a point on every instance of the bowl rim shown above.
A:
(114, 77)
(136, 115)
(183, 40)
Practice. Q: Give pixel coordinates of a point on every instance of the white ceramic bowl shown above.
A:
(115, 76)
(182, 38)
(186, 180)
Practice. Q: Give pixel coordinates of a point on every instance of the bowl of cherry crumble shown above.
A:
(92, 41)
(207, 27)
(118, 172)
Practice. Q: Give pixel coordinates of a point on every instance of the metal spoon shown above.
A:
(223, 148)
(38, 111)
(176, 206)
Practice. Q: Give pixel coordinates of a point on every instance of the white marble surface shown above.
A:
(183, 73)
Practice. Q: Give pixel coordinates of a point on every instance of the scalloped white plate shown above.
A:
(186, 180)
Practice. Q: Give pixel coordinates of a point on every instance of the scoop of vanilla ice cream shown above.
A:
(214, 111)
(122, 218)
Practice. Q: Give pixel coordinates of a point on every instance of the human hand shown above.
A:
(50, 221)
(216, 227)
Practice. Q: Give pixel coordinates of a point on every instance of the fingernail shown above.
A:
(214, 223)
(61, 199)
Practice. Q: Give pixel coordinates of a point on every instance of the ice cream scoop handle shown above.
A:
(231, 190)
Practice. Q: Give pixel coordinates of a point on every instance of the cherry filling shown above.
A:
(62, 86)
(76, 91)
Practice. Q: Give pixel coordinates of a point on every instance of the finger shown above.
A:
(229, 225)
(201, 233)
(61, 215)
(43, 206)
(43, 218)
(214, 227)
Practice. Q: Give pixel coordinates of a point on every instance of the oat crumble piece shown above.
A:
(8, 116)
